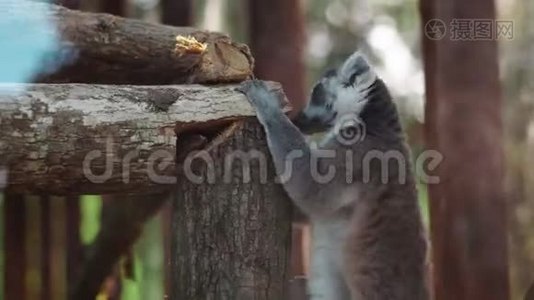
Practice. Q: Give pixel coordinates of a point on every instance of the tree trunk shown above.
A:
(277, 42)
(101, 48)
(231, 237)
(177, 12)
(463, 123)
(98, 139)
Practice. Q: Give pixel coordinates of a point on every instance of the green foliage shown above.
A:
(90, 209)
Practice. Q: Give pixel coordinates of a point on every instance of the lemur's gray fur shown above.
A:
(368, 237)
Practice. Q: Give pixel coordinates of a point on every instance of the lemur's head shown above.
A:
(339, 92)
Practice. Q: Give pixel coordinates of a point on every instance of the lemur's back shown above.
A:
(385, 249)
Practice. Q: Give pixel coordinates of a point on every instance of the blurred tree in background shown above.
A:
(518, 76)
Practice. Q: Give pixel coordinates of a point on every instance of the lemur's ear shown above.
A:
(356, 71)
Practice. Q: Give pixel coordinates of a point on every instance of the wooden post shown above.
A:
(231, 236)
(74, 244)
(46, 237)
(15, 247)
(463, 122)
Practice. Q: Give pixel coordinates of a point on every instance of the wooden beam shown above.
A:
(463, 122)
(94, 139)
(102, 48)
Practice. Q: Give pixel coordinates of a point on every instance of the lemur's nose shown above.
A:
(300, 119)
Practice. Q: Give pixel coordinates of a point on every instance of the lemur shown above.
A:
(367, 232)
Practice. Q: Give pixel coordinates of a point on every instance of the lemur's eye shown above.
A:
(352, 78)
(351, 82)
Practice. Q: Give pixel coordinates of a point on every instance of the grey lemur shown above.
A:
(356, 185)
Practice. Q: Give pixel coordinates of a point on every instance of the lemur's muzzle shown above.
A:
(308, 125)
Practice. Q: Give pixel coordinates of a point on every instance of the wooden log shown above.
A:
(92, 139)
(231, 234)
(101, 48)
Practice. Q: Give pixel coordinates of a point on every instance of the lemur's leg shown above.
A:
(327, 281)
(295, 162)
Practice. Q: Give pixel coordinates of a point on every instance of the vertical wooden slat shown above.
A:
(166, 216)
(58, 256)
(34, 240)
(45, 248)
(74, 244)
(299, 260)
(15, 247)
(463, 122)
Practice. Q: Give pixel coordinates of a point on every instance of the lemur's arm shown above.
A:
(299, 167)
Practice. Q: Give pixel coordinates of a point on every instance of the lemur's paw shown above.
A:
(260, 97)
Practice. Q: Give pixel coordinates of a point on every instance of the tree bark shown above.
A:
(101, 48)
(277, 42)
(231, 237)
(177, 12)
(463, 122)
(60, 139)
